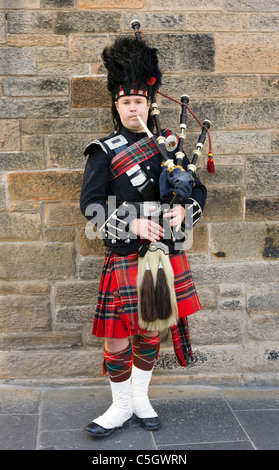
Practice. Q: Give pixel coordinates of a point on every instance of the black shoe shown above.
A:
(150, 424)
(94, 429)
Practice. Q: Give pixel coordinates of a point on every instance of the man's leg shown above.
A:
(119, 367)
(145, 351)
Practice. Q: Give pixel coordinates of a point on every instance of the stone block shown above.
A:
(157, 20)
(86, 22)
(236, 113)
(223, 204)
(231, 290)
(27, 207)
(110, 4)
(251, 272)
(262, 208)
(232, 304)
(200, 239)
(217, 85)
(231, 297)
(2, 197)
(66, 68)
(22, 108)
(66, 151)
(23, 313)
(9, 135)
(263, 298)
(44, 340)
(75, 293)
(49, 363)
(20, 4)
(248, 241)
(106, 126)
(231, 175)
(29, 288)
(61, 125)
(52, 54)
(181, 5)
(240, 142)
(59, 234)
(61, 214)
(20, 227)
(11, 161)
(216, 22)
(269, 85)
(33, 143)
(2, 28)
(263, 327)
(34, 86)
(90, 246)
(18, 61)
(19, 22)
(257, 181)
(197, 56)
(275, 143)
(90, 267)
(224, 162)
(264, 22)
(207, 369)
(87, 48)
(251, 357)
(251, 5)
(208, 296)
(78, 314)
(39, 261)
(236, 53)
(216, 328)
(67, 4)
(90, 92)
(35, 40)
(45, 185)
(169, 118)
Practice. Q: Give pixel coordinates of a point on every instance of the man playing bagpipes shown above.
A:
(140, 294)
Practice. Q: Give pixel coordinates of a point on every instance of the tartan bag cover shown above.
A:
(116, 310)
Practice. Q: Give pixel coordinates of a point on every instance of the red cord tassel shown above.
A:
(210, 164)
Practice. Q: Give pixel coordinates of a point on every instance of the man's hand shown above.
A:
(147, 229)
(177, 215)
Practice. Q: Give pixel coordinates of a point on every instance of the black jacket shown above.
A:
(97, 187)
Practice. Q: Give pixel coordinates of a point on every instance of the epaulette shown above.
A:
(90, 146)
(113, 141)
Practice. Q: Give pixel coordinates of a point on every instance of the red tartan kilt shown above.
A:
(116, 311)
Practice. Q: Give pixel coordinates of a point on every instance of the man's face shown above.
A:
(129, 107)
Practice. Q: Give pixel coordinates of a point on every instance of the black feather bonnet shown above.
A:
(132, 66)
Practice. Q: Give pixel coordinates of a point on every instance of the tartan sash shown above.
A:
(136, 153)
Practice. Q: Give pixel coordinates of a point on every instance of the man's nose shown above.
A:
(133, 106)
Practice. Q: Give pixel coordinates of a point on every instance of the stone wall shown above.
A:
(225, 55)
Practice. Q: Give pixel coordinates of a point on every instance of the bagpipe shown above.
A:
(174, 176)
(157, 306)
